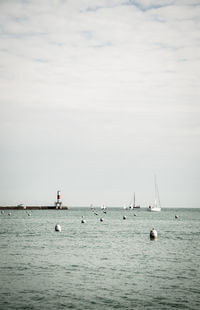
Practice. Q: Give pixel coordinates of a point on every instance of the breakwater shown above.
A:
(33, 208)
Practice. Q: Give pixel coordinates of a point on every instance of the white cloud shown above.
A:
(100, 90)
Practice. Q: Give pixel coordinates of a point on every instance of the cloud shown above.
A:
(95, 88)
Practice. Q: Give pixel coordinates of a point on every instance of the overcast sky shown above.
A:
(98, 96)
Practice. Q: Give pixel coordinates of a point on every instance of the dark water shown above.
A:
(100, 265)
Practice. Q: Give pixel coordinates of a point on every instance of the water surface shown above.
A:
(100, 265)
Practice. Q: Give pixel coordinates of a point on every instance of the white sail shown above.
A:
(156, 207)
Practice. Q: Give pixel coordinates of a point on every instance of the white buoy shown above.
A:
(101, 219)
(9, 213)
(124, 217)
(29, 214)
(83, 220)
(58, 228)
(153, 234)
(176, 216)
(135, 214)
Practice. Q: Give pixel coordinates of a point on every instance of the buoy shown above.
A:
(83, 220)
(176, 216)
(135, 214)
(153, 234)
(58, 228)
(124, 217)
(29, 214)
(9, 214)
(101, 219)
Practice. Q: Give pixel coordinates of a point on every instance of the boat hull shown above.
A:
(154, 209)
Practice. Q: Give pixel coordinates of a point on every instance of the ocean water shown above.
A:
(100, 265)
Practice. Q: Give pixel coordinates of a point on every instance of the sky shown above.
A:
(96, 97)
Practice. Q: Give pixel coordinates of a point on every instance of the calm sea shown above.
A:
(100, 265)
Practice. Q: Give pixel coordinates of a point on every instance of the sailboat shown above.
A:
(156, 207)
(132, 206)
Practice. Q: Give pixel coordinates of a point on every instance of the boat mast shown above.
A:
(155, 201)
(133, 200)
(157, 197)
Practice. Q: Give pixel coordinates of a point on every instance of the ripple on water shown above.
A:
(109, 265)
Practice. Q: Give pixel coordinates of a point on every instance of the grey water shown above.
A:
(100, 265)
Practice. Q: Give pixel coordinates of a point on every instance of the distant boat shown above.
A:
(156, 207)
(133, 205)
(103, 208)
(21, 206)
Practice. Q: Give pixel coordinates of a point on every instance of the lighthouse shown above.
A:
(58, 202)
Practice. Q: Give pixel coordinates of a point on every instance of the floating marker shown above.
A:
(124, 217)
(153, 234)
(58, 228)
(83, 220)
(101, 219)
(176, 216)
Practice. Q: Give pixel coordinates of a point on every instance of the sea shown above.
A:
(111, 264)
